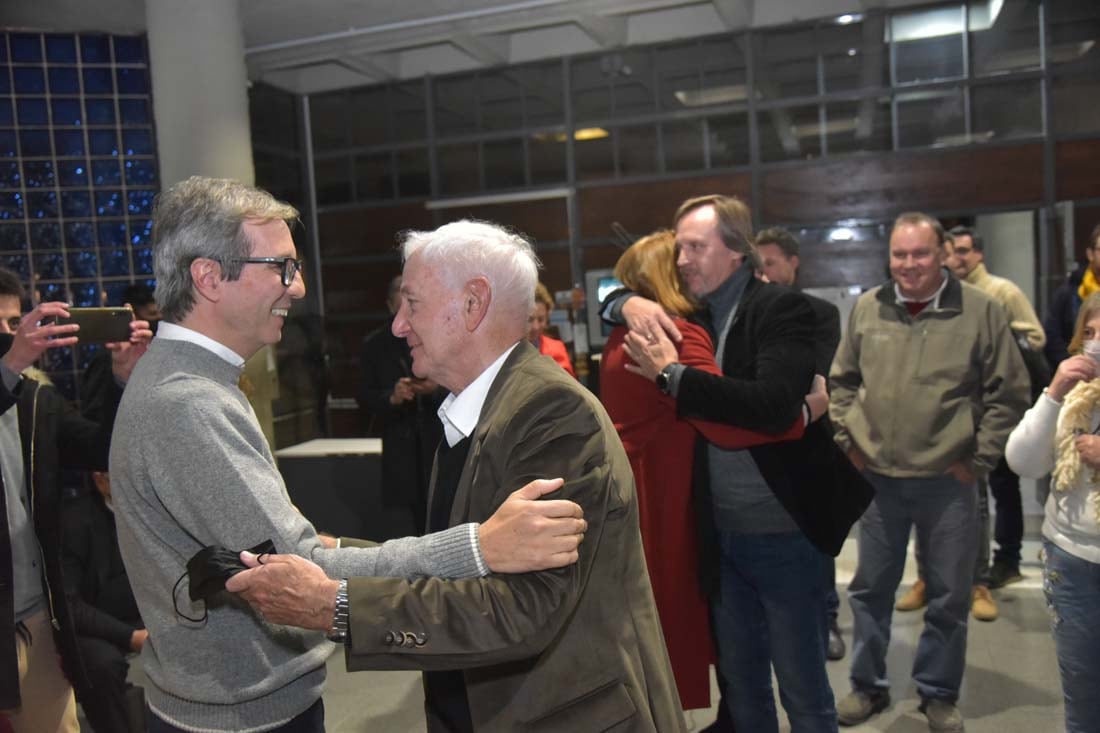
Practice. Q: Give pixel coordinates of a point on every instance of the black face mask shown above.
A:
(208, 570)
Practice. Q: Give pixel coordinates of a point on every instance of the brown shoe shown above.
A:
(982, 605)
(914, 599)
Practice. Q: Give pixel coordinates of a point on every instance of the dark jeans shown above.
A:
(105, 706)
(1009, 527)
(310, 721)
(771, 612)
(832, 598)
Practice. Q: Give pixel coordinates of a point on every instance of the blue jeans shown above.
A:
(771, 611)
(945, 514)
(1072, 588)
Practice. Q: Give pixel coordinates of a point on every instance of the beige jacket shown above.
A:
(915, 395)
(1021, 316)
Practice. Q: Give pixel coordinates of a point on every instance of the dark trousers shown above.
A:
(310, 721)
(1009, 527)
(105, 705)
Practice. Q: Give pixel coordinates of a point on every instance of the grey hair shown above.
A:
(468, 248)
(202, 217)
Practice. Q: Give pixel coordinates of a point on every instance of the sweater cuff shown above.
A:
(456, 553)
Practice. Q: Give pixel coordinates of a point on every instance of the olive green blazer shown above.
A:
(573, 649)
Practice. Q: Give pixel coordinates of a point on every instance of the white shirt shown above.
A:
(460, 413)
(176, 332)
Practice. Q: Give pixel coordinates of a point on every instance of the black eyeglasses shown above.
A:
(291, 266)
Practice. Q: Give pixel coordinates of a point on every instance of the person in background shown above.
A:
(536, 330)
(403, 408)
(97, 381)
(925, 387)
(1059, 434)
(779, 250)
(660, 445)
(108, 624)
(1066, 301)
(40, 434)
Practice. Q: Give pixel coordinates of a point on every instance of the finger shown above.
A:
(539, 487)
(560, 509)
(60, 342)
(669, 327)
(242, 581)
(634, 369)
(249, 559)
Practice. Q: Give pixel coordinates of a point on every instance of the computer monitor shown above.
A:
(597, 285)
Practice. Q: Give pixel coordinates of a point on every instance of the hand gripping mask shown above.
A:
(208, 570)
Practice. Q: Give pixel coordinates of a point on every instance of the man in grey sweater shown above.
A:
(191, 468)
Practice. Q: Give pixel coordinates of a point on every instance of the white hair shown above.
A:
(466, 249)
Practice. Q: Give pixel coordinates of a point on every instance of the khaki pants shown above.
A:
(48, 702)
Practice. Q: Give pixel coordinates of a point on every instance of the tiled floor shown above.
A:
(1011, 683)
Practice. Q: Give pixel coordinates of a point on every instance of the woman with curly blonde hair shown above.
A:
(1060, 434)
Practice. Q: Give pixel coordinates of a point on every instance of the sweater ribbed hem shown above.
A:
(451, 556)
(249, 716)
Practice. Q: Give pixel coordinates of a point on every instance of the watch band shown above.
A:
(340, 617)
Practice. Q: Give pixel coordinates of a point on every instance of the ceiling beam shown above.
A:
(736, 14)
(608, 32)
(379, 66)
(490, 50)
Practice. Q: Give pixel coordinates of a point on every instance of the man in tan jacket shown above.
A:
(925, 387)
(577, 648)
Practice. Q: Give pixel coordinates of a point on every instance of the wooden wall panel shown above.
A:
(1077, 169)
(541, 221)
(643, 207)
(883, 187)
(369, 230)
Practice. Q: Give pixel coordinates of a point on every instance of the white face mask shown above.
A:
(1091, 349)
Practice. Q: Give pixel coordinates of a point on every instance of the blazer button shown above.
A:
(389, 637)
(421, 639)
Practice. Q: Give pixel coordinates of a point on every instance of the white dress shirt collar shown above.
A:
(460, 413)
(176, 332)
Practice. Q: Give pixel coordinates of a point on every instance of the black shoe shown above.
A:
(835, 649)
(1002, 574)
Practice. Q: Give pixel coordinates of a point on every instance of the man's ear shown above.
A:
(476, 297)
(206, 274)
(794, 262)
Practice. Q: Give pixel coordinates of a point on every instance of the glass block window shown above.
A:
(78, 171)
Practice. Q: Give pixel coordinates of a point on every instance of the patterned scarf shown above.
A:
(1076, 417)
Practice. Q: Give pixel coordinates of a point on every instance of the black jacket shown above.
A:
(1062, 317)
(826, 333)
(54, 436)
(768, 366)
(410, 431)
(97, 587)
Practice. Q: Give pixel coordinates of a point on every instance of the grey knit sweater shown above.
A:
(190, 467)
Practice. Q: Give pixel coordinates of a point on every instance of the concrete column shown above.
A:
(200, 102)
(200, 89)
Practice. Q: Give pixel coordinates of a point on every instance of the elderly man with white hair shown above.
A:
(576, 648)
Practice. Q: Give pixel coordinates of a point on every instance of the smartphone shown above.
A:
(100, 325)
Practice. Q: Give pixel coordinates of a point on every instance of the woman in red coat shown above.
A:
(661, 446)
(536, 326)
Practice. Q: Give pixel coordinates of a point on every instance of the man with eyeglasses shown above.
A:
(190, 468)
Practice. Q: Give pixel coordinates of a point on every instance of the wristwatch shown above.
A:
(664, 379)
(339, 630)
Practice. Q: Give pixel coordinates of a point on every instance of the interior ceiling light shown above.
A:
(590, 133)
(584, 133)
(938, 22)
(848, 18)
(712, 95)
(841, 234)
